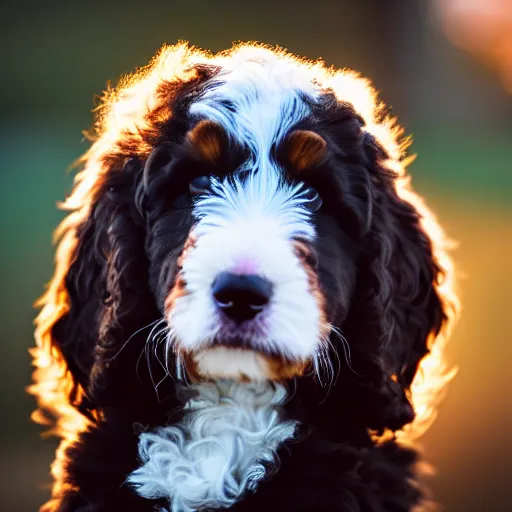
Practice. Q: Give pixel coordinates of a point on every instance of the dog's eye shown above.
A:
(312, 200)
(200, 185)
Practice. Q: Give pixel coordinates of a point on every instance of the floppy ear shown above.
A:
(400, 305)
(99, 296)
(97, 299)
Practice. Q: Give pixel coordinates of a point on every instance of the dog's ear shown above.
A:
(400, 304)
(98, 298)
(90, 329)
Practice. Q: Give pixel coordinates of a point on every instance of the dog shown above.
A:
(249, 303)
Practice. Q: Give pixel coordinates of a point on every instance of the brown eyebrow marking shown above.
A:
(208, 140)
(304, 149)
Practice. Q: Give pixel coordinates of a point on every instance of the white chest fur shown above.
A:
(227, 438)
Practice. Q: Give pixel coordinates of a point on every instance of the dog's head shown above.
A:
(244, 216)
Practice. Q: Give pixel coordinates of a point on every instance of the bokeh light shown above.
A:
(444, 66)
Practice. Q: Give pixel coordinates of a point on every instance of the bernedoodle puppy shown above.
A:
(249, 304)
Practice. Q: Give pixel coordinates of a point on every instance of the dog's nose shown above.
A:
(241, 297)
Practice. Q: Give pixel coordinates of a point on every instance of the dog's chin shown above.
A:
(241, 364)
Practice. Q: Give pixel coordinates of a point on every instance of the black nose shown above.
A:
(241, 297)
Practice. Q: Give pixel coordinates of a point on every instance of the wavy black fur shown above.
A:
(377, 267)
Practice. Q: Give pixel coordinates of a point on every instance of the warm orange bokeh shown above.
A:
(484, 27)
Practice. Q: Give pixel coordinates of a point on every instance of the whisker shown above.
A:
(157, 342)
(338, 361)
(150, 336)
(132, 336)
(180, 369)
(323, 365)
(179, 373)
(138, 364)
(346, 348)
(321, 369)
(327, 362)
(153, 339)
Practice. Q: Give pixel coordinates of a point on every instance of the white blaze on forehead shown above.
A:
(260, 201)
(257, 98)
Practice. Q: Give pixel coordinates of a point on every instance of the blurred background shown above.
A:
(445, 67)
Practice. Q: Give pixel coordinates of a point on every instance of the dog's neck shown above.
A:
(224, 445)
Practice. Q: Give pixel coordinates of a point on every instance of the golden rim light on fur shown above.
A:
(128, 124)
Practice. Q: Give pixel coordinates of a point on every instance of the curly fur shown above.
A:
(107, 294)
(189, 463)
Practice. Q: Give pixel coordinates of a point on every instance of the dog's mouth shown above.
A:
(242, 323)
(237, 359)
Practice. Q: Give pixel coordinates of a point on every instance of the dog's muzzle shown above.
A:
(246, 303)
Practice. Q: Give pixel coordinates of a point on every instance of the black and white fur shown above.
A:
(165, 403)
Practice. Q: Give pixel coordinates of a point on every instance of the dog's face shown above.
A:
(252, 257)
(258, 207)
(258, 258)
